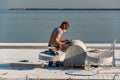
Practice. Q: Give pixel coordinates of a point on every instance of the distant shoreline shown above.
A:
(64, 9)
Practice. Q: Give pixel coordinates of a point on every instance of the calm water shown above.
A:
(36, 26)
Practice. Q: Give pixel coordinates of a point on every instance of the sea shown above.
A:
(35, 26)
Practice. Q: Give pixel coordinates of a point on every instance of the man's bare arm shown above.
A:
(58, 38)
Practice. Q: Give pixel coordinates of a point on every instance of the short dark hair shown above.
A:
(65, 22)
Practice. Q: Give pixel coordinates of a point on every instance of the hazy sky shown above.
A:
(60, 3)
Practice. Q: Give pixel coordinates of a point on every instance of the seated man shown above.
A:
(55, 39)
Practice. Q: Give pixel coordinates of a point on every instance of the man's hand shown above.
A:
(65, 41)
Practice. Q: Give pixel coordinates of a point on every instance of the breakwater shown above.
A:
(64, 9)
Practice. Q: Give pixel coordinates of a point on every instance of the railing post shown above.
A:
(113, 52)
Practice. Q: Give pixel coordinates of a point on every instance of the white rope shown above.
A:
(116, 77)
(76, 73)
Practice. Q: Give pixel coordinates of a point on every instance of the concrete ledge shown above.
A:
(23, 45)
(102, 45)
(44, 45)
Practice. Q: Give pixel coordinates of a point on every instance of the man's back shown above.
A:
(56, 34)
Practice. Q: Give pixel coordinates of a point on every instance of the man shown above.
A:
(55, 39)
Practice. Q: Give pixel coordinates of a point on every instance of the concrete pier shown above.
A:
(11, 53)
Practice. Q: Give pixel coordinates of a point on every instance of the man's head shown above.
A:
(64, 25)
